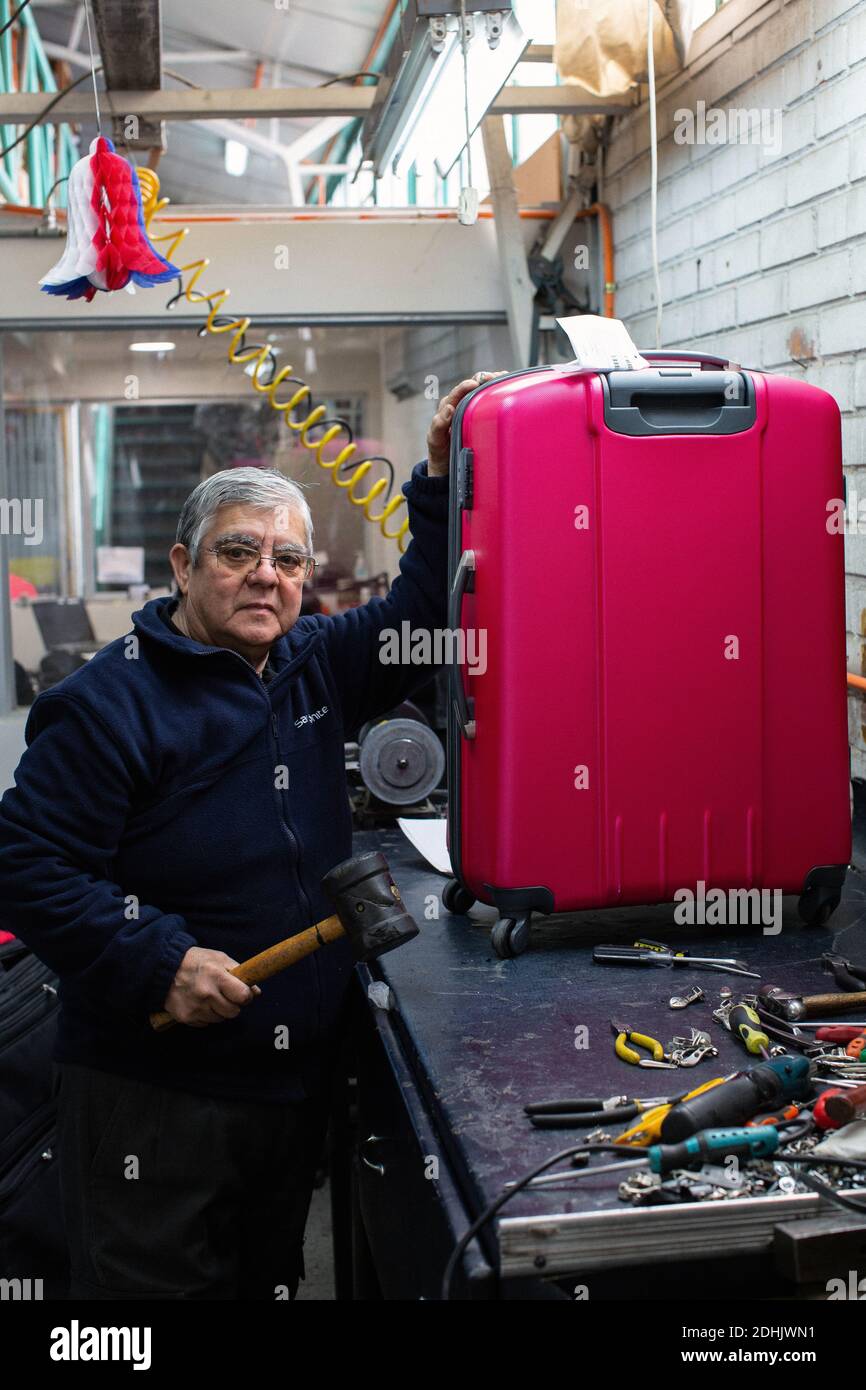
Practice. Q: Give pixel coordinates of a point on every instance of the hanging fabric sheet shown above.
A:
(602, 44)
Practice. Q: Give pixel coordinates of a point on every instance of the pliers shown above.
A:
(626, 1035)
(574, 1114)
(789, 1034)
(847, 975)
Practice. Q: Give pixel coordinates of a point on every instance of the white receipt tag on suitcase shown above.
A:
(601, 345)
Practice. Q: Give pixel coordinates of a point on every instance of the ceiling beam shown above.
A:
(129, 35)
(401, 278)
(568, 99)
(236, 103)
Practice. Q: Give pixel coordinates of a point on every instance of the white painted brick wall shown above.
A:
(843, 329)
(762, 299)
(819, 281)
(843, 217)
(785, 239)
(736, 258)
(762, 247)
(813, 174)
(761, 198)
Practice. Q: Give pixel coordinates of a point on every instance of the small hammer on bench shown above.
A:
(370, 913)
(795, 1007)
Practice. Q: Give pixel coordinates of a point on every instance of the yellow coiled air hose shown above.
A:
(266, 380)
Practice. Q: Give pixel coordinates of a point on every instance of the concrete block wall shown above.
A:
(762, 246)
(447, 352)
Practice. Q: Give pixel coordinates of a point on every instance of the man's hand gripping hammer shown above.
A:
(370, 913)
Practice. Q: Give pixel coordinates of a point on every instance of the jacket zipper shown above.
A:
(292, 838)
(34, 1146)
(308, 912)
(275, 733)
(293, 841)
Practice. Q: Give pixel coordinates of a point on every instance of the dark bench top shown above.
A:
(484, 1036)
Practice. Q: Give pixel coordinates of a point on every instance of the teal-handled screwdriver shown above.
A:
(707, 1145)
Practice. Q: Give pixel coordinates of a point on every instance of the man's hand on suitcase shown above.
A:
(439, 433)
(204, 992)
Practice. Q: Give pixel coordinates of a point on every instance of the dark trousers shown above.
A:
(173, 1195)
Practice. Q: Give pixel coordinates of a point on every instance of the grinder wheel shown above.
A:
(401, 761)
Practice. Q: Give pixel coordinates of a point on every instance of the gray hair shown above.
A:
(259, 487)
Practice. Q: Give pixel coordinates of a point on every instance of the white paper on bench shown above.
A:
(428, 837)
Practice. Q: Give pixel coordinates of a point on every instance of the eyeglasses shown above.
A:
(244, 559)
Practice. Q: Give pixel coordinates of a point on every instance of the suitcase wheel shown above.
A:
(456, 898)
(817, 905)
(510, 936)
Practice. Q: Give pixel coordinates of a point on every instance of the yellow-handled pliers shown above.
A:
(626, 1035)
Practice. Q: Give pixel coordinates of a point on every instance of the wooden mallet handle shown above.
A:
(272, 961)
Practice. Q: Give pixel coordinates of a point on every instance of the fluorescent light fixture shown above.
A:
(421, 100)
(236, 157)
(400, 99)
(438, 122)
(151, 347)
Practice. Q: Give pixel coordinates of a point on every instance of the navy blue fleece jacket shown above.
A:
(148, 816)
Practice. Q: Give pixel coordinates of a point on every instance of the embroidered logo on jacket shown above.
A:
(311, 718)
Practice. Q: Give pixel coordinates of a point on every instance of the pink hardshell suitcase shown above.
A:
(662, 698)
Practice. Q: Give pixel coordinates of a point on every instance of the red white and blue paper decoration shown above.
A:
(107, 246)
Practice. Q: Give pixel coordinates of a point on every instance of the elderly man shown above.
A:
(180, 800)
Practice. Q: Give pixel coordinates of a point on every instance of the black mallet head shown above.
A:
(368, 904)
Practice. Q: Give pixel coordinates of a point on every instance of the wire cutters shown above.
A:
(626, 1035)
(847, 975)
(574, 1114)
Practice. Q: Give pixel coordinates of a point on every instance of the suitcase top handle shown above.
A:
(699, 357)
(671, 400)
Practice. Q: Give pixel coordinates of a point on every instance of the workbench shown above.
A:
(466, 1039)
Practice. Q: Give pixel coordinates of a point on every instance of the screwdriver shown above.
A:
(819, 1024)
(843, 1107)
(714, 1143)
(744, 1022)
(822, 1110)
(839, 1032)
(698, 1149)
(651, 955)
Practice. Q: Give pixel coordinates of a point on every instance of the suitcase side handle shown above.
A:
(464, 583)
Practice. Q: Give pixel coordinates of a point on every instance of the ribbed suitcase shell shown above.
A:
(606, 647)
